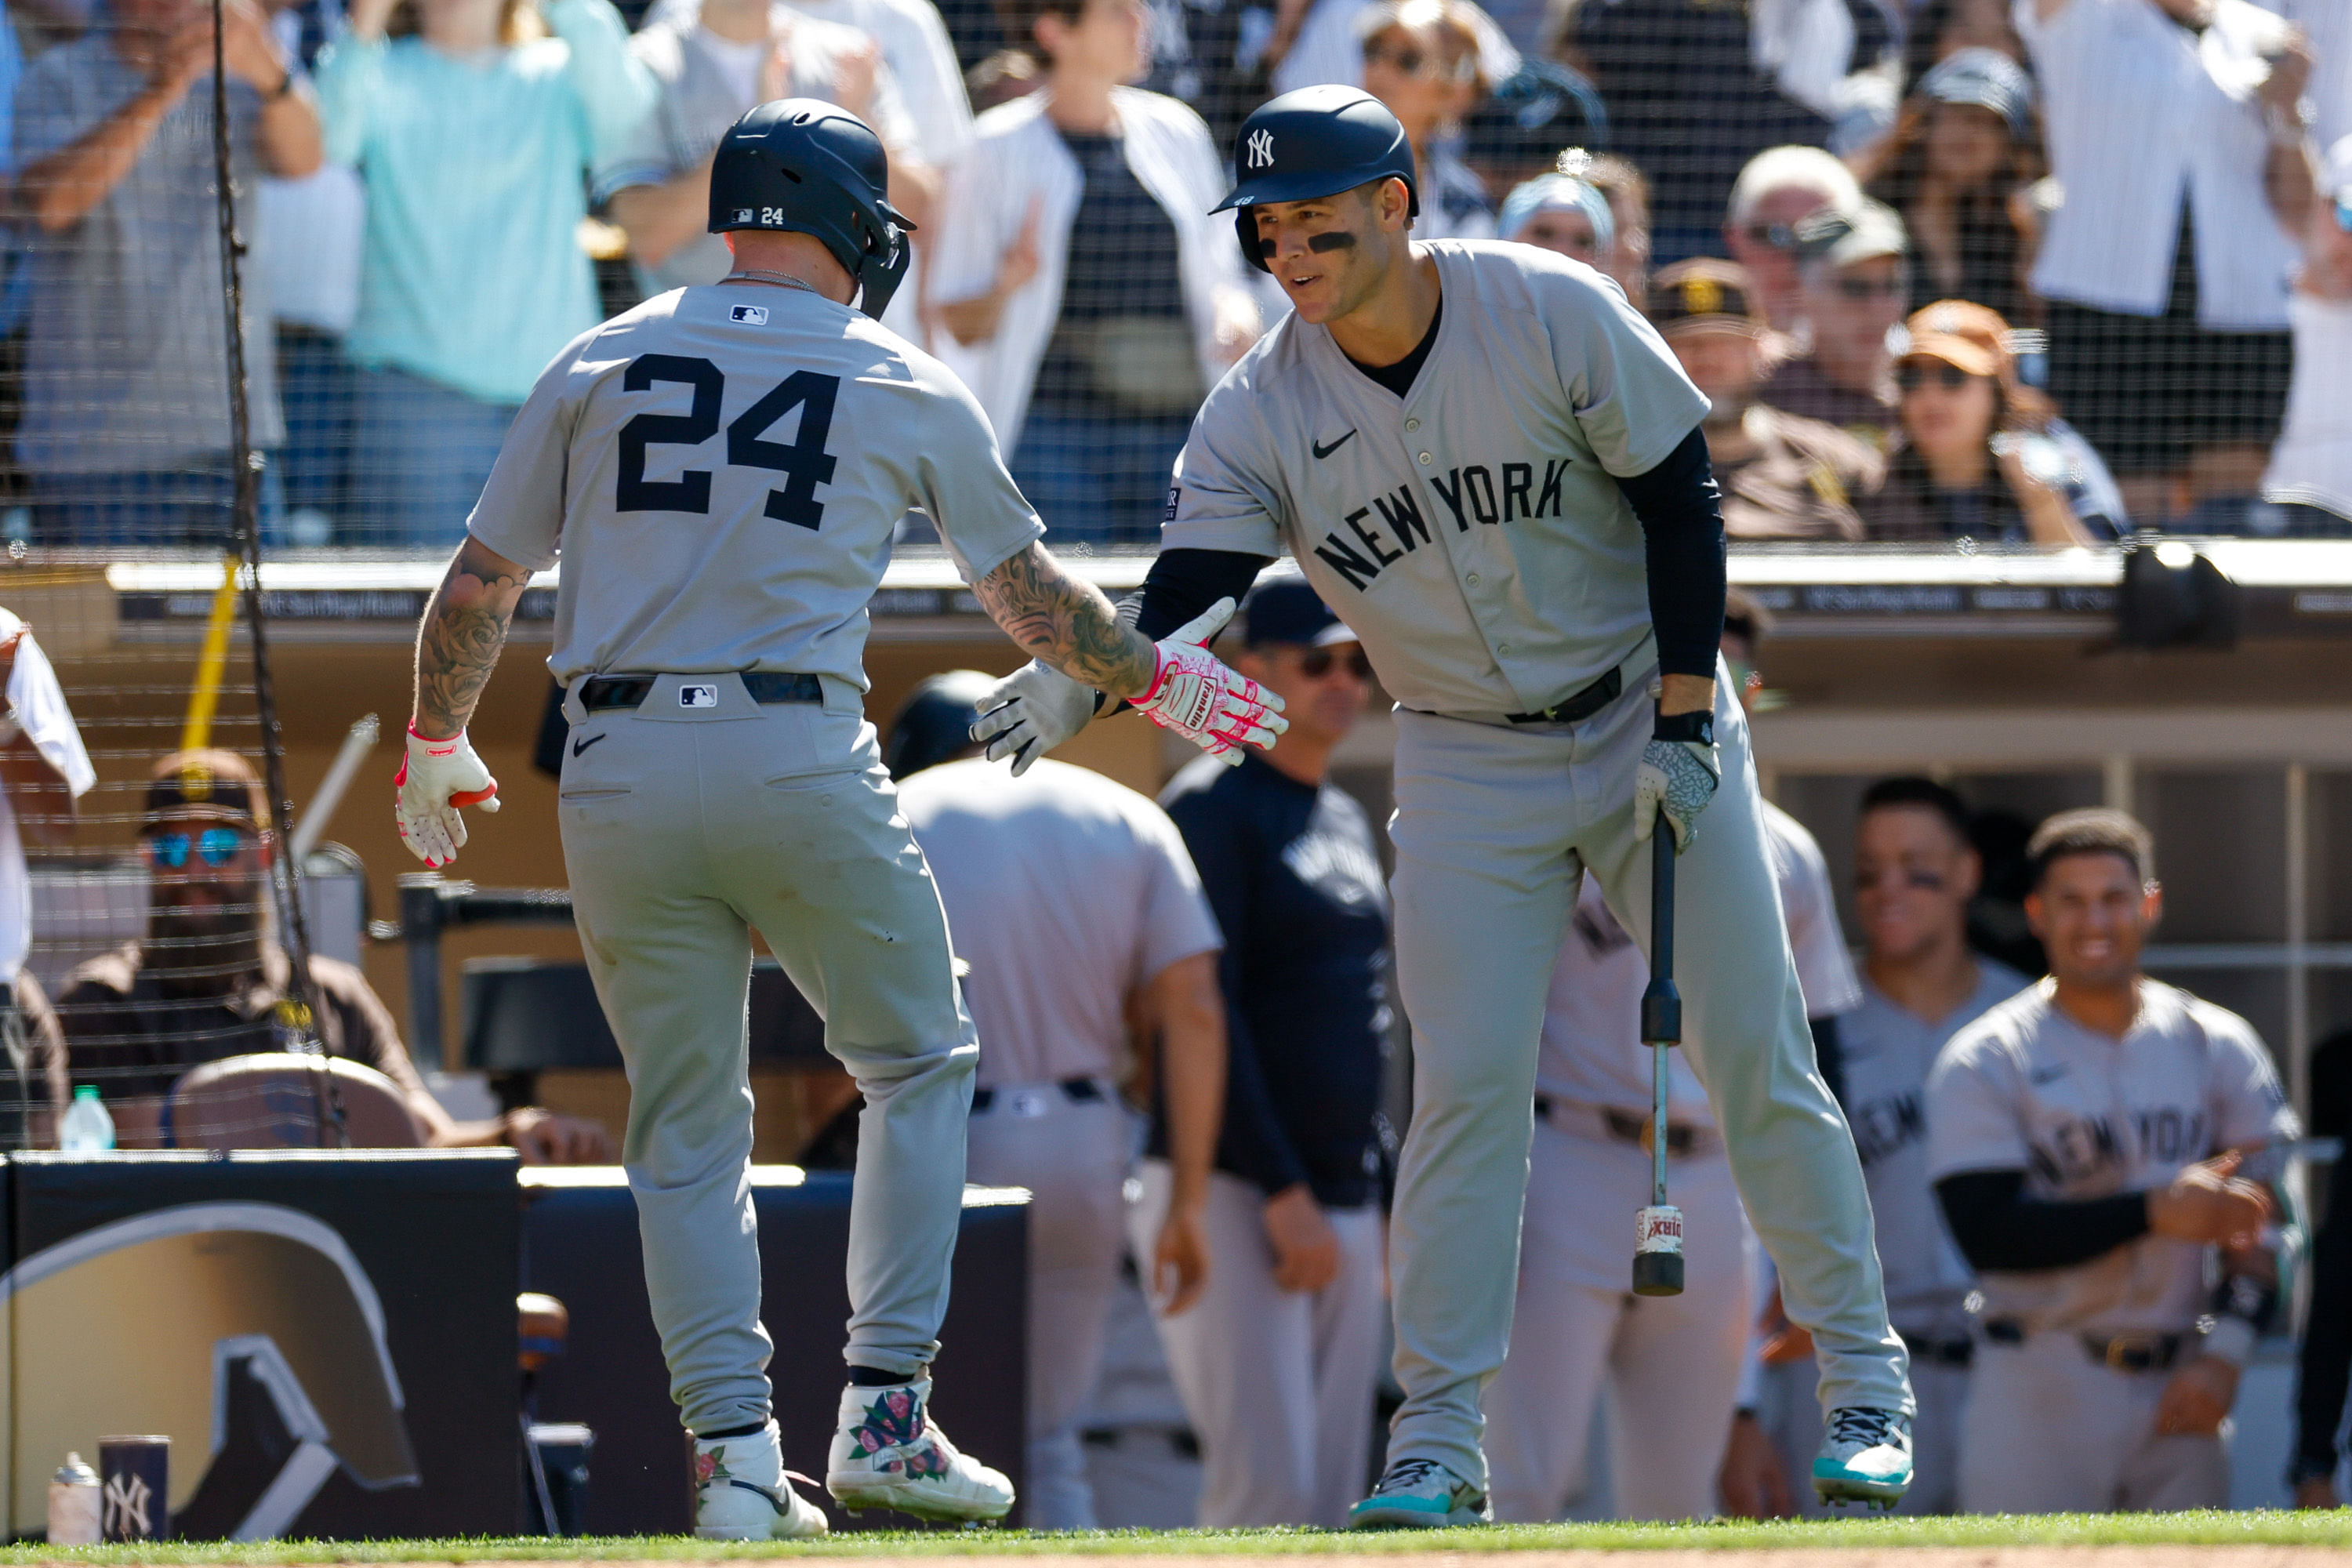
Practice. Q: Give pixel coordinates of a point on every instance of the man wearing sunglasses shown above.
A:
(204, 982)
(1852, 282)
(1277, 1361)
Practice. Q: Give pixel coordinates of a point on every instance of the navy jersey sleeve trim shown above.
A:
(1682, 525)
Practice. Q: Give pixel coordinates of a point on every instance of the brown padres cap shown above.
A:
(1959, 333)
(1704, 292)
(208, 783)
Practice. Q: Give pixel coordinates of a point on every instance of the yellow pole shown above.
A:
(212, 664)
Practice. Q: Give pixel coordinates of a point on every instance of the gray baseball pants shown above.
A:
(2049, 1430)
(685, 828)
(1279, 1384)
(1493, 824)
(1073, 1157)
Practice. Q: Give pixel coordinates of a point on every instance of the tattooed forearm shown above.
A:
(465, 627)
(1066, 623)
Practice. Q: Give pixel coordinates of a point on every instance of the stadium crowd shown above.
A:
(2050, 271)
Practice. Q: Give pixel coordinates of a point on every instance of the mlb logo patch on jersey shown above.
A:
(757, 315)
(697, 697)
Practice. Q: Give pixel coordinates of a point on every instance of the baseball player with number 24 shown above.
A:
(1492, 468)
(709, 631)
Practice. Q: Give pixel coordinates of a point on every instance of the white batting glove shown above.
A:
(1677, 777)
(436, 778)
(1193, 693)
(1030, 712)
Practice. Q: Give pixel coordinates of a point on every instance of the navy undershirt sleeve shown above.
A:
(1682, 524)
(1997, 1226)
(1183, 583)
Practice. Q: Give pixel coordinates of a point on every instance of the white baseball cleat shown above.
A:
(1866, 1459)
(742, 1491)
(1419, 1494)
(888, 1453)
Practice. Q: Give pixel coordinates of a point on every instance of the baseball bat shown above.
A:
(1658, 1228)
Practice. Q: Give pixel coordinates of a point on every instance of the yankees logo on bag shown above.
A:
(1261, 149)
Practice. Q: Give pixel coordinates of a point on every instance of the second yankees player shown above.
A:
(710, 628)
(1492, 468)
(1673, 1364)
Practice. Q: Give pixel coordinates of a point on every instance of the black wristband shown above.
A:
(1696, 726)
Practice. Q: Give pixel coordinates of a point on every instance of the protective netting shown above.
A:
(2035, 275)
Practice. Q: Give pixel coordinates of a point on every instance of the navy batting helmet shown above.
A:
(804, 165)
(1316, 141)
(934, 724)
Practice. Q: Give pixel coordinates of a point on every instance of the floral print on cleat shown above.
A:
(888, 1453)
(1419, 1494)
(742, 1491)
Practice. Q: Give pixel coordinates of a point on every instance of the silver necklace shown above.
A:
(753, 275)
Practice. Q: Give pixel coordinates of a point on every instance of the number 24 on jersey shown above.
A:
(803, 462)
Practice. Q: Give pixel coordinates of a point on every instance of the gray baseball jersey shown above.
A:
(721, 468)
(1471, 532)
(1592, 1050)
(2027, 1089)
(1065, 891)
(1888, 1050)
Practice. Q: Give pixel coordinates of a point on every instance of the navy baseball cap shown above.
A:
(1287, 610)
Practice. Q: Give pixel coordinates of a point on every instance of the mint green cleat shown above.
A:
(1419, 1494)
(1866, 1459)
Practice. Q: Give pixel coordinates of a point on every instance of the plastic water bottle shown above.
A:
(74, 1512)
(88, 1128)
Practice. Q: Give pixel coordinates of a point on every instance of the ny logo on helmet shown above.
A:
(1261, 149)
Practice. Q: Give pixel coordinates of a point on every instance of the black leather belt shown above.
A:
(2124, 1353)
(1076, 1091)
(1939, 1353)
(1619, 1124)
(1580, 706)
(601, 693)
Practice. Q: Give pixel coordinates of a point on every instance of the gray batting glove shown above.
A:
(1030, 712)
(1678, 777)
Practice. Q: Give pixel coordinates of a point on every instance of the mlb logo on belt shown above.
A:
(757, 315)
(697, 697)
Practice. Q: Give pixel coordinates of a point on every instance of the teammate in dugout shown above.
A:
(710, 628)
(1492, 468)
(2100, 1143)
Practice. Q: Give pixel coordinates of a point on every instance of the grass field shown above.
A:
(2175, 1539)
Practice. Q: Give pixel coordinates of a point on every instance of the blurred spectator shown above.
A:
(1560, 212)
(2176, 133)
(1689, 106)
(1852, 284)
(1329, 44)
(1421, 60)
(1277, 1364)
(1941, 28)
(1783, 475)
(44, 770)
(1003, 76)
(1958, 168)
(1077, 261)
(713, 64)
(2102, 1146)
(2327, 23)
(125, 429)
(206, 981)
(1529, 120)
(2310, 478)
(309, 256)
(1629, 203)
(1777, 189)
(1841, 58)
(1974, 459)
(1915, 872)
(1075, 904)
(474, 276)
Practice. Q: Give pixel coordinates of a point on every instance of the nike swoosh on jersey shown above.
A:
(582, 742)
(1321, 451)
